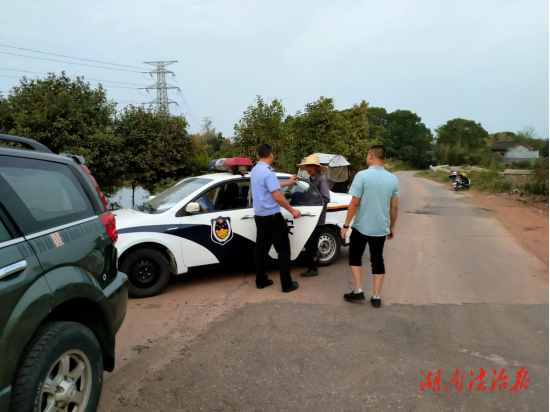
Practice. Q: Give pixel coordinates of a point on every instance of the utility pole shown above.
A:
(162, 101)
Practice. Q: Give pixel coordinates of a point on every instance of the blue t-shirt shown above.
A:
(375, 187)
(263, 182)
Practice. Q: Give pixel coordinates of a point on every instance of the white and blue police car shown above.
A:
(208, 220)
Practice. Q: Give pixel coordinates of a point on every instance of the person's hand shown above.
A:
(392, 233)
(343, 232)
(296, 213)
(293, 179)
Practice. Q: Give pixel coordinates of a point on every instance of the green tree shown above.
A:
(320, 128)
(461, 141)
(354, 145)
(68, 116)
(158, 147)
(263, 123)
(377, 118)
(409, 139)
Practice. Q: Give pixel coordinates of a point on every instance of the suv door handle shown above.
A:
(13, 268)
(247, 217)
(308, 214)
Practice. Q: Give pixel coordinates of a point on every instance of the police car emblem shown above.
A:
(222, 232)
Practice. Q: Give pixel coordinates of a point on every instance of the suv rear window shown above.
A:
(43, 194)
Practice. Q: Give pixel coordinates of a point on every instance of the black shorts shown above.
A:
(358, 243)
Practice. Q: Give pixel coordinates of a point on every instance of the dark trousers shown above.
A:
(272, 230)
(357, 245)
(312, 248)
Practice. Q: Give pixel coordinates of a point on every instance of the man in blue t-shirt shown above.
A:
(374, 206)
(272, 229)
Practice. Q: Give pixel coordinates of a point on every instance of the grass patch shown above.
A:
(396, 165)
(490, 181)
(440, 177)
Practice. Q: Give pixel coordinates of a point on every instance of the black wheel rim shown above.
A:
(145, 273)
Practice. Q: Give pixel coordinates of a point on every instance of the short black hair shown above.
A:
(264, 150)
(378, 151)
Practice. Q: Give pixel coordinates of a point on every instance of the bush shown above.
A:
(536, 188)
(491, 180)
(523, 165)
(539, 185)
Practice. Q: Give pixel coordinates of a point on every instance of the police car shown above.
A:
(208, 220)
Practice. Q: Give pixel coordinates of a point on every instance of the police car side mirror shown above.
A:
(193, 208)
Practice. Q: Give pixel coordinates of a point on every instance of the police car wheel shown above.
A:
(329, 246)
(148, 272)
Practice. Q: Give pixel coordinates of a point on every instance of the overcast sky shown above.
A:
(482, 60)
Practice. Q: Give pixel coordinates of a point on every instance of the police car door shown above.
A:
(223, 230)
(307, 199)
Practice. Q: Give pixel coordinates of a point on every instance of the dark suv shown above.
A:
(62, 298)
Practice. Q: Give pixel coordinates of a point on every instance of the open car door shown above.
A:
(307, 199)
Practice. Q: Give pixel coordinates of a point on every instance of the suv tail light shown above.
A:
(109, 221)
(94, 182)
(107, 218)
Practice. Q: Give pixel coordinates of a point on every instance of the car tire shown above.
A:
(59, 352)
(148, 272)
(330, 244)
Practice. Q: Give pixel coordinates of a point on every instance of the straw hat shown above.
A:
(313, 160)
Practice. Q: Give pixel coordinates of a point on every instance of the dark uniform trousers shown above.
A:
(272, 230)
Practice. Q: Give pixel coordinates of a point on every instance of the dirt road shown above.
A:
(460, 293)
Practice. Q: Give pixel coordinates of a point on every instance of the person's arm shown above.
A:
(352, 210)
(393, 217)
(325, 191)
(279, 198)
(292, 181)
(274, 186)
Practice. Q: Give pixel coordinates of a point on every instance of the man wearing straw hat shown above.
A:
(314, 169)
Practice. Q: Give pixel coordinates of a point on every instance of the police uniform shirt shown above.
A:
(263, 182)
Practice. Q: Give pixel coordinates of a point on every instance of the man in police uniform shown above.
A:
(271, 225)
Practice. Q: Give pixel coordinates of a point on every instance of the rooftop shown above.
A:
(505, 146)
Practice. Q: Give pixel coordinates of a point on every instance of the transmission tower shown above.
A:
(162, 101)
(207, 122)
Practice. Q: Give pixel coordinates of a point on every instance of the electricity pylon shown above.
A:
(162, 101)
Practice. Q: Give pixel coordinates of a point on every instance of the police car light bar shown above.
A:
(233, 165)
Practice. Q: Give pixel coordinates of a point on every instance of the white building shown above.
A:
(515, 152)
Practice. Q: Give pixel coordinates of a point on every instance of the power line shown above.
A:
(191, 114)
(19, 70)
(71, 57)
(78, 64)
(84, 77)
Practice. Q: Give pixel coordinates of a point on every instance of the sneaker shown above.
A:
(292, 287)
(354, 297)
(267, 283)
(310, 273)
(376, 303)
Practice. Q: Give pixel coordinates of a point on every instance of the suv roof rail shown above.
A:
(79, 159)
(28, 143)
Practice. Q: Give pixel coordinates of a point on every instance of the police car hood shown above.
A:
(126, 218)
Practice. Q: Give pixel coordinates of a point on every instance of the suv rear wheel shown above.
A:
(148, 272)
(61, 370)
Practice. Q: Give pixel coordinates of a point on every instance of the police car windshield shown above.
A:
(175, 194)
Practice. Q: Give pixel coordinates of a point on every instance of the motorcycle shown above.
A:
(460, 183)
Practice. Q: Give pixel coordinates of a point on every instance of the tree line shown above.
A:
(140, 146)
